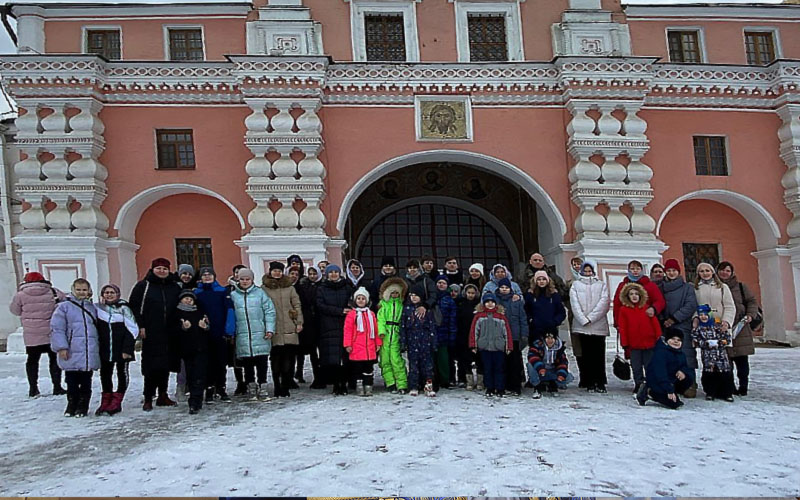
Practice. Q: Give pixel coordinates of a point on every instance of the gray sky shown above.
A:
(7, 47)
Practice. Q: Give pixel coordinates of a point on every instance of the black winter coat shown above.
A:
(153, 301)
(332, 298)
(114, 340)
(309, 337)
(193, 341)
(464, 314)
(429, 301)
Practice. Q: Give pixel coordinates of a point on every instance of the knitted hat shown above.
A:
(704, 309)
(672, 333)
(704, 265)
(388, 261)
(187, 293)
(361, 291)
(294, 258)
(442, 277)
(160, 262)
(504, 282)
(276, 265)
(672, 264)
(332, 267)
(455, 287)
(417, 289)
(185, 268)
(111, 286)
(246, 273)
(33, 277)
(487, 297)
(477, 266)
(208, 270)
(542, 274)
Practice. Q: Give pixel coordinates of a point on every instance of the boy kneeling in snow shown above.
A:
(548, 365)
(668, 373)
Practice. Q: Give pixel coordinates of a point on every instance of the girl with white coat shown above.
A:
(590, 301)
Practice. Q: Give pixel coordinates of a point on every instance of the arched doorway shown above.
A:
(441, 209)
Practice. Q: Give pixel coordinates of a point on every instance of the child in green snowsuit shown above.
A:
(390, 312)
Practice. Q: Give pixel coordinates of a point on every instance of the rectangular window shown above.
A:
(487, 37)
(194, 251)
(175, 149)
(710, 157)
(684, 46)
(760, 47)
(697, 253)
(104, 43)
(185, 45)
(385, 37)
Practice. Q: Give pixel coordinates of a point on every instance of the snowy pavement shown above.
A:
(314, 444)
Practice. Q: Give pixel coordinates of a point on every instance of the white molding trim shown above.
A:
(727, 12)
(178, 26)
(406, 8)
(86, 28)
(99, 11)
(509, 8)
(131, 211)
(701, 40)
(556, 225)
(776, 38)
(465, 205)
(762, 223)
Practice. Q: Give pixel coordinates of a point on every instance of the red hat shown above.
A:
(672, 264)
(33, 277)
(161, 261)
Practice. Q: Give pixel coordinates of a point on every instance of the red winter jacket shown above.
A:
(365, 344)
(636, 329)
(655, 298)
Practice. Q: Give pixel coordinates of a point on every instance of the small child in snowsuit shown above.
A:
(418, 337)
(390, 314)
(717, 378)
(193, 328)
(117, 331)
(74, 337)
(638, 332)
(548, 368)
(446, 328)
(361, 341)
(668, 373)
(490, 336)
(465, 306)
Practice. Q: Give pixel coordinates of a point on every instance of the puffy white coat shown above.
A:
(589, 301)
(720, 300)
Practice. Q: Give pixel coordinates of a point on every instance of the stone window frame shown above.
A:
(510, 9)
(360, 8)
(776, 40)
(182, 27)
(701, 42)
(86, 28)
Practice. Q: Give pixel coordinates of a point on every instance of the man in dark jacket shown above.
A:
(416, 276)
(681, 303)
(388, 270)
(537, 263)
(668, 375)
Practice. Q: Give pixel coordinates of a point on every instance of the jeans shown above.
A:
(494, 370)
(549, 376)
(639, 359)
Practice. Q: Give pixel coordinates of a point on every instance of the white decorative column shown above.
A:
(63, 182)
(789, 135)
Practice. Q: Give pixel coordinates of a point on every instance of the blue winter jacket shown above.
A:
(515, 312)
(663, 366)
(491, 285)
(446, 332)
(72, 327)
(255, 316)
(214, 301)
(545, 314)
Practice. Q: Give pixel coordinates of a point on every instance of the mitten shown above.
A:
(712, 343)
(561, 378)
(542, 372)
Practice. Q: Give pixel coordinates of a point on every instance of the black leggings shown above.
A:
(156, 379)
(593, 372)
(107, 374)
(79, 385)
(364, 371)
(282, 363)
(32, 365)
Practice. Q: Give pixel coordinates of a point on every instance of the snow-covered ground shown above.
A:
(314, 444)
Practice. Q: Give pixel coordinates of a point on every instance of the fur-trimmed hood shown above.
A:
(623, 295)
(274, 284)
(392, 283)
(499, 308)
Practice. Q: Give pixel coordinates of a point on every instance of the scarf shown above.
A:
(708, 281)
(362, 316)
(575, 274)
(185, 307)
(633, 278)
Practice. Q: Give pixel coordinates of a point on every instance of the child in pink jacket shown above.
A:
(361, 341)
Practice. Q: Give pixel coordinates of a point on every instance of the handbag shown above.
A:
(759, 318)
(621, 366)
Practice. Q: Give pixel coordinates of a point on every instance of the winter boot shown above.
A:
(552, 388)
(537, 393)
(641, 394)
(58, 390)
(223, 396)
(33, 392)
(429, 389)
(148, 404)
(360, 390)
(210, 395)
(83, 405)
(691, 392)
(180, 393)
(72, 406)
(470, 382)
(252, 391)
(163, 400)
(116, 403)
(263, 392)
(479, 383)
(368, 390)
(241, 389)
(105, 405)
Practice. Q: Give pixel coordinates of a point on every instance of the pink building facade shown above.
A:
(238, 132)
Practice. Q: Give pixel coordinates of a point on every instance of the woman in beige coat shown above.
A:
(288, 325)
(712, 291)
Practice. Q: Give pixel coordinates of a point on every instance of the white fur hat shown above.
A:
(361, 291)
(477, 266)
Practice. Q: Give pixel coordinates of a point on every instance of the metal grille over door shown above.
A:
(432, 229)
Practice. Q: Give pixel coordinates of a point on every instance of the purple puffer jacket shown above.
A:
(73, 327)
(34, 303)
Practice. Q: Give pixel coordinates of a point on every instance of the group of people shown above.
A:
(426, 328)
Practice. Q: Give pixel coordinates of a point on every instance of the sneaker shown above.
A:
(489, 393)
(600, 389)
(413, 392)
(210, 396)
(536, 394)
(641, 395)
(223, 396)
(72, 406)
(59, 391)
(429, 389)
(729, 399)
(34, 393)
(402, 391)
